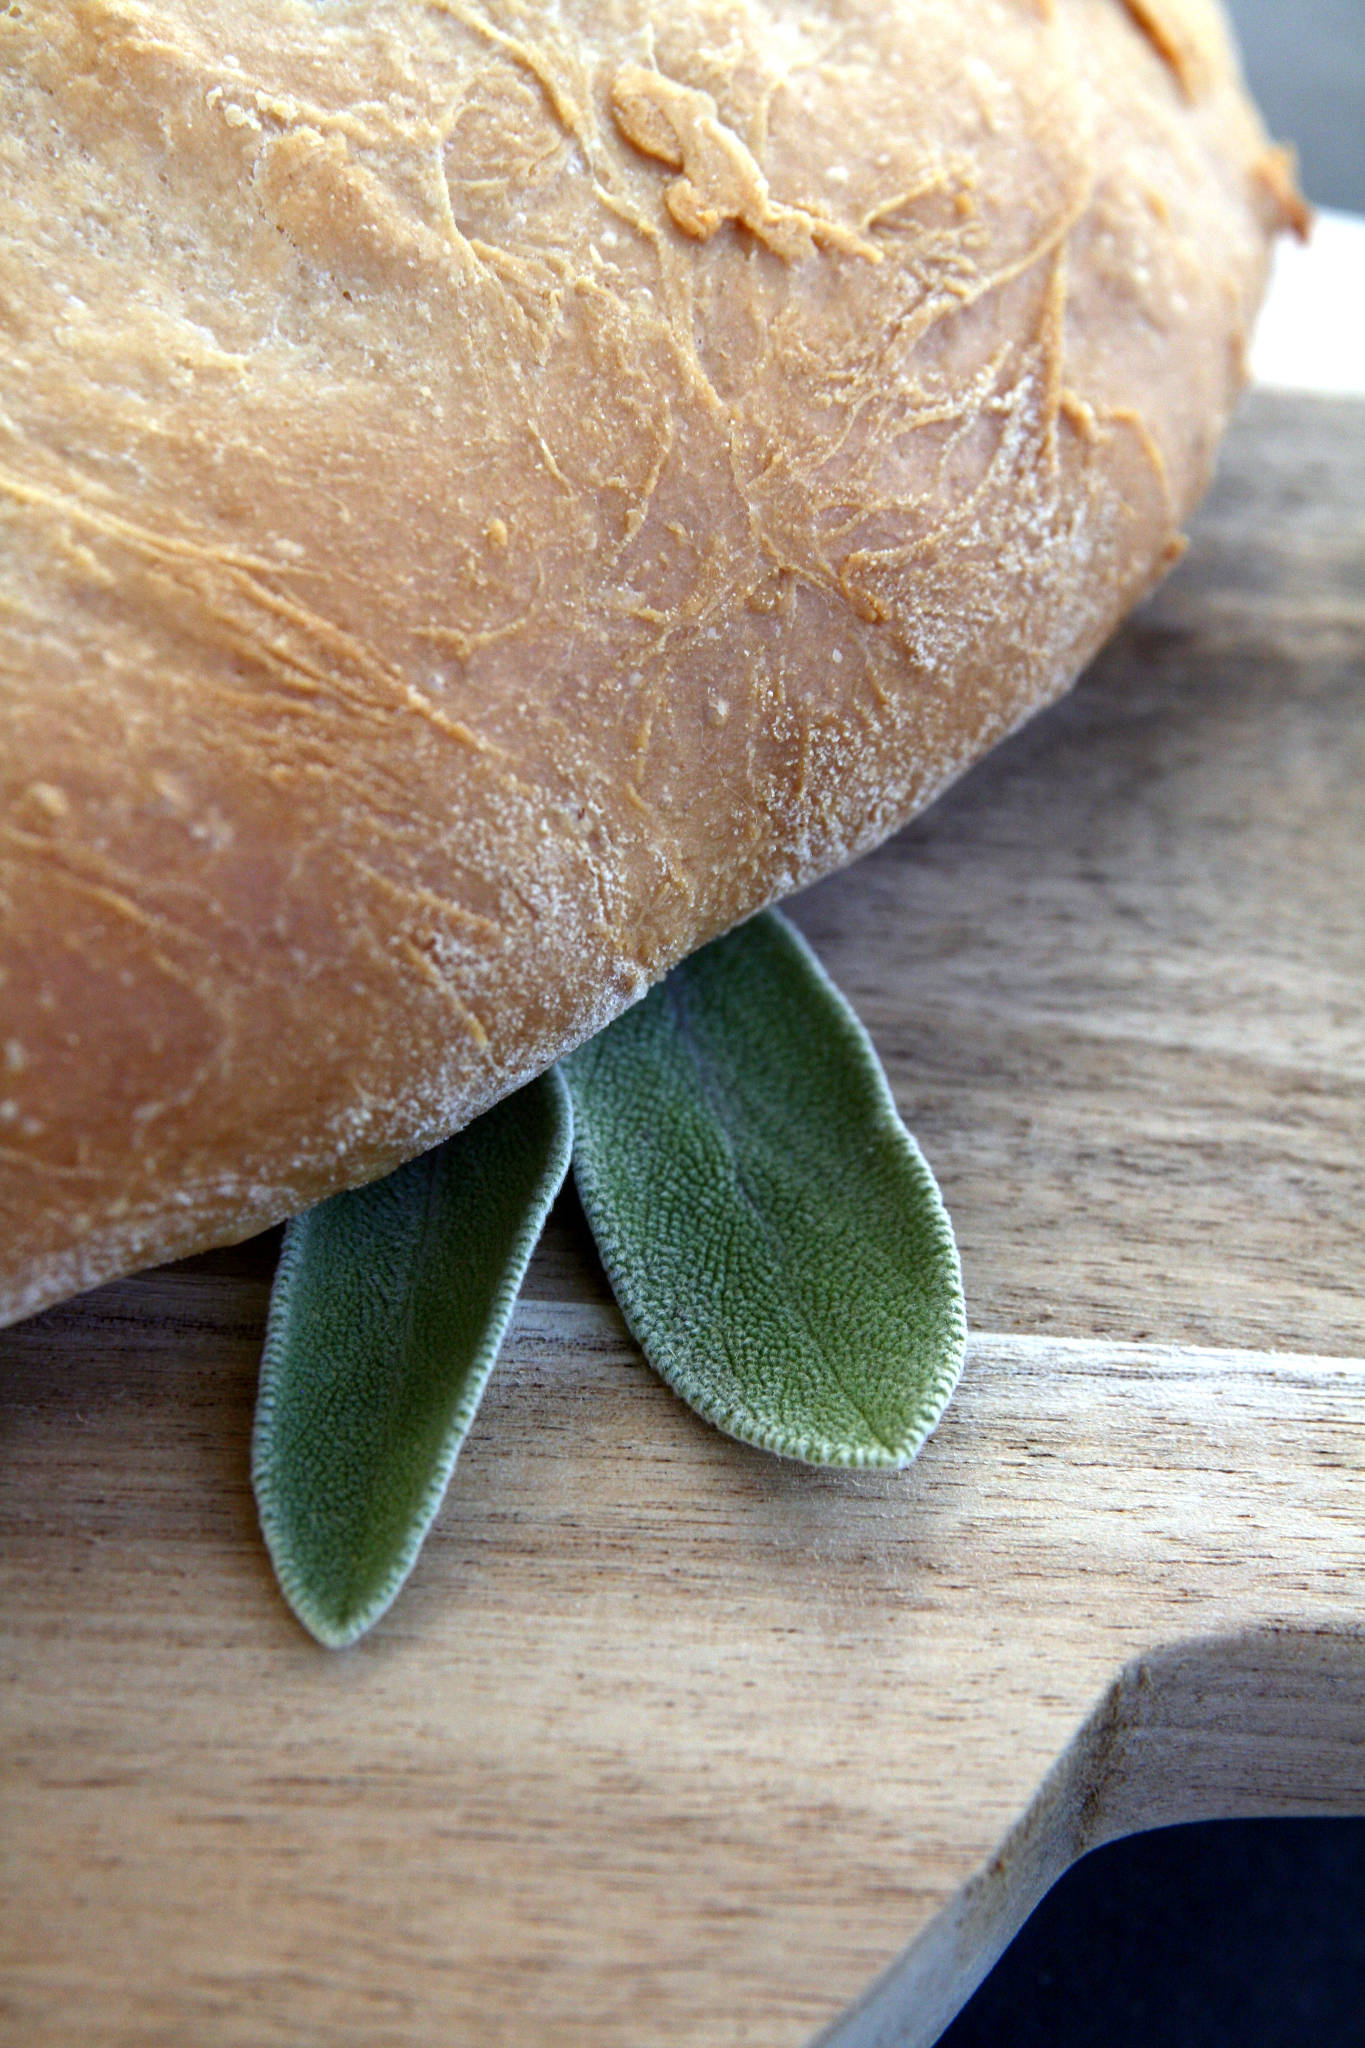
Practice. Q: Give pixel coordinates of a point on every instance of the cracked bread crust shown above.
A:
(493, 493)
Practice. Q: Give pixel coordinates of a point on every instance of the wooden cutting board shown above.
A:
(671, 1743)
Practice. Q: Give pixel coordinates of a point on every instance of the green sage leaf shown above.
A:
(773, 1235)
(388, 1309)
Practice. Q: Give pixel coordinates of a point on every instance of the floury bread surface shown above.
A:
(492, 493)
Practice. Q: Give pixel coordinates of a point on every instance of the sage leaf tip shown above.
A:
(389, 1307)
(774, 1236)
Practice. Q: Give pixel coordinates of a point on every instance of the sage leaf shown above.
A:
(388, 1309)
(770, 1228)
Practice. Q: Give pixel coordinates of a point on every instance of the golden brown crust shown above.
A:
(491, 493)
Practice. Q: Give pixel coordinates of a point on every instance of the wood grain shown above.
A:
(670, 1743)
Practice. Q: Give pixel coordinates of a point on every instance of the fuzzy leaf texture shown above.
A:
(775, 1239)
(389, 1306)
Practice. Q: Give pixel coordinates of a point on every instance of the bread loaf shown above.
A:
(492, 492)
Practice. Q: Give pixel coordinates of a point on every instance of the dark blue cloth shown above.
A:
(1234, 1934)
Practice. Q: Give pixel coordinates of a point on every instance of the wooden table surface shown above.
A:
(672, 1743)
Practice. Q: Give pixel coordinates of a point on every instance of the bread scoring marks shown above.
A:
(1176, 41)
(720, 181)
